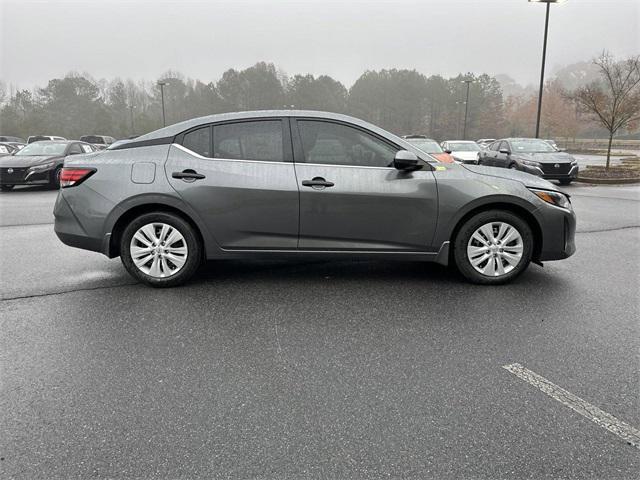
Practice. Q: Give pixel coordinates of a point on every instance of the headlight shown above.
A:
(554, 198)
(530, 163)
(44, 166)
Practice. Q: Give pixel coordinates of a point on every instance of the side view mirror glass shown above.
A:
(406, 160)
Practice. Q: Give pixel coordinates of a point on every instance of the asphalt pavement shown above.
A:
(316, 370)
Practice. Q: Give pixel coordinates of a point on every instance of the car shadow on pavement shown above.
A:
(370, 272)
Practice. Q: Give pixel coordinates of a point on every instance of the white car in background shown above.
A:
(463, 151)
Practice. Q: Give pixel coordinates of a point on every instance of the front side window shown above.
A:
(336, 144)
(199, 141)
(256, 140)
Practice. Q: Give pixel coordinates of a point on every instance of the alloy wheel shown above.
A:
(495, 249)
(158, 250)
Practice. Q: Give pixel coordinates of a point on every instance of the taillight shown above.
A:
(70, 177)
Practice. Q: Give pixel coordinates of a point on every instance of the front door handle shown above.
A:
(188, 175)
(317, 183)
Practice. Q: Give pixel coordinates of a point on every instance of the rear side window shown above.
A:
(199, 141)
(75, 149)
(258, 140)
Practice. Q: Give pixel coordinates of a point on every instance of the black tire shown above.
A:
(6, 188)
(565, 181)
(193, 243)
(54, 181)
(467, 230)
(513, 166)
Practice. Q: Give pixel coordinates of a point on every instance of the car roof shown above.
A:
(175, 129)
(49, 142)
(460, 141)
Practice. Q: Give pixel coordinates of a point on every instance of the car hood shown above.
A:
(545, 157)
(465, 155)
(26, 160)
(510, 174)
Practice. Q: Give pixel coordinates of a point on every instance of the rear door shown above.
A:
(240, 179)
(351, 197)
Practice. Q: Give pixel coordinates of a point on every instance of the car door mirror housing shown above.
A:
(406, 160)
(448, 151)
(505, 151)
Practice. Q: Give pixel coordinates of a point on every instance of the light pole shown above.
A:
(459, 103)
(133, 130)
(468, 81)
(544, 55)
(162, 84)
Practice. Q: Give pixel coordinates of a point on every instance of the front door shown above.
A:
(240, 179)
(351, 197)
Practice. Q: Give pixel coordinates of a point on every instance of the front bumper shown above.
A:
(24, 176)
(572, 174)
(558, 233)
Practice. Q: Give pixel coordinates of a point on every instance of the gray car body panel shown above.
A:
(245, 207)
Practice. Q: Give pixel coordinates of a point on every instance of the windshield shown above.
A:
(531, 146)
(464, 147)
(427, 146)
(42, 148)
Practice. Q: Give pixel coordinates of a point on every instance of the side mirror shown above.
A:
(448, 151)
(505, 151)
(406, 160)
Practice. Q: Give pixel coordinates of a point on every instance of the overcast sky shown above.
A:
(202, 39)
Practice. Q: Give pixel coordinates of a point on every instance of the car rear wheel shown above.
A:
(6, 188)
(493, 247)
(160, 249)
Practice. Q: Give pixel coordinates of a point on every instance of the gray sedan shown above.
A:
(303, 184)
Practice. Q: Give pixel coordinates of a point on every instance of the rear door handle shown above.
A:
(317, 183)
(188, 175)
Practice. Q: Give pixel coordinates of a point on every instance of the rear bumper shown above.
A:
(69, 229)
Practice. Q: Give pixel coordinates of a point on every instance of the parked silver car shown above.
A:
(283, 183)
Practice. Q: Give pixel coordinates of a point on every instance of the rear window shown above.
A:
(92, 139)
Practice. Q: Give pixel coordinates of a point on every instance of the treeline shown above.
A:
(402, 101)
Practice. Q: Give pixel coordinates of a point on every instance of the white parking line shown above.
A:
(597, 416)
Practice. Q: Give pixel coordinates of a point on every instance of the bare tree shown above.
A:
(614, 101)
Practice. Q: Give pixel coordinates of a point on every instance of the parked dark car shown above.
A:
(531, 155)
(9, 138)
(99, 141)
(38, 163)
(289, 183)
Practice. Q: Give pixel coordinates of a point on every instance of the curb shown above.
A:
(608, 181)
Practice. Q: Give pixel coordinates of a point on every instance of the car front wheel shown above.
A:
(160, 249)
(6, 188)
(493, 247)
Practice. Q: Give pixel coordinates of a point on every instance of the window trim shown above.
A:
(287, 153)
(299, 151)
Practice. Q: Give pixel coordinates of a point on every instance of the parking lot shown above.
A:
(326, 370)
